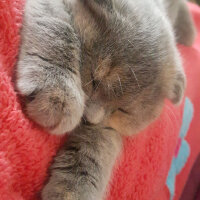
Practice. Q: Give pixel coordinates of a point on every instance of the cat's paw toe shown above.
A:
(55, 110)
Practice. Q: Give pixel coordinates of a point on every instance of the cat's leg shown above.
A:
(47, 73)
(82, 169)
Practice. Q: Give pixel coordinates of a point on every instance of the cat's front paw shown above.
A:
(54, 191)
(53, 101)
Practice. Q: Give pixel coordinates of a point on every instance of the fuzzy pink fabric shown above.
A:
(26, 150)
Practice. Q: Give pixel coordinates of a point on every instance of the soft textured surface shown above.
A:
(192, 187)
(26, 151)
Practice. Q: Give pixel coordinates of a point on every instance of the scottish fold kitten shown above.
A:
(98, 69)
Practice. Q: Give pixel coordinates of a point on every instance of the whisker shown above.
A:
(108, 86)
(113, 90)
(98, 85)
(93, 77)
(130, 43)
(176, 119)
(89, 82)
(134, 76)
(120, 83)
(170, 120)
(96, 69)
(84, 119)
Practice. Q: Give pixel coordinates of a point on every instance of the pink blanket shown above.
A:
(153, 166)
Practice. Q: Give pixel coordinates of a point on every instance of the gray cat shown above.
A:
(99, 69)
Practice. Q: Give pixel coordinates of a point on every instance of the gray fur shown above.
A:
(81, 170)
(110, 63)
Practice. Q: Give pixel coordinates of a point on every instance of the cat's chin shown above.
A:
(128, 125)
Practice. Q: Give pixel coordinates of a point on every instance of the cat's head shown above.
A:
(130, 63)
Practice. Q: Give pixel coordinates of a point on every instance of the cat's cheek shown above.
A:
(120, 123)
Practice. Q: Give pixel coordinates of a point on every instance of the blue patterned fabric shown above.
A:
(183, 149)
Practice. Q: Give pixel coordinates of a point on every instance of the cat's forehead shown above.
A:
(131, 39)
(123, 44)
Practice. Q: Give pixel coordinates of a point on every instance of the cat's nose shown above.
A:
(94, 113)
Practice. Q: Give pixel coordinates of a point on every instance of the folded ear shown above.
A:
(177, 89)
(184, 25)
